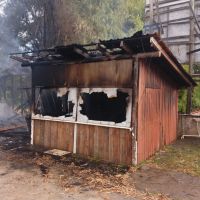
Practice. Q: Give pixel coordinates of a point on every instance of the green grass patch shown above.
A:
(183, 156)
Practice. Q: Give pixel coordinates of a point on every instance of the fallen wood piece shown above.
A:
(11, 128)
(57, 152)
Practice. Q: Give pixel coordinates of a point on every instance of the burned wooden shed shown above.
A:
(114, 100)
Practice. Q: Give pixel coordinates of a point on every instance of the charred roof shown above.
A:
(104, 50)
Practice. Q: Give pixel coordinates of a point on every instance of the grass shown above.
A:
(182, 156)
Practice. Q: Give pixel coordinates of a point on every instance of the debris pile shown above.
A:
(77, 174)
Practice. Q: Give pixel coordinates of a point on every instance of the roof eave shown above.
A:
(177, 67)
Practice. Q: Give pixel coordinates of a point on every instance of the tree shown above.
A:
(108, 19)
(46, 23)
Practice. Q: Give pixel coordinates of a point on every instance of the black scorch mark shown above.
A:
(97, 106)
(52, 105)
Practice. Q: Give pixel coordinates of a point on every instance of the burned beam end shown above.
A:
(103, 50)
(19, 59)
(170, 61)
(155, 54)
(81, 52)
(126, 48)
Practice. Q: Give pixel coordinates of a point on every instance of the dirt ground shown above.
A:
(176, 184)
(27, 174)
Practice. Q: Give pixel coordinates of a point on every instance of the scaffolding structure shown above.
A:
(178, 23)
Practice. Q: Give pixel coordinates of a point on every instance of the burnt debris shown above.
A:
(97, 106)
(76, 53)
(50, 104)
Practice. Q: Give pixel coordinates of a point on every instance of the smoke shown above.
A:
(8, 44)
(6, 112)
(9, 118)
(10, 88)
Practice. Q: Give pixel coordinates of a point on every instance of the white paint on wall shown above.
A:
(61, 92)
(75, 138)
(77, 100)
(32, 130)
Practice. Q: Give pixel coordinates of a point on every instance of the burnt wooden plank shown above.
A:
(157, 111)
(129, 145)
(69, 132)
(61, 136)
(96, 142)
(47, 134)
(82, 139)
(54, 134)
(86, 140)
(118, 74)
(91, 140)
(124, 67)
(71, 74)
(42, 132)
(104, 143)
(36, 136)
(100, 132)
(78, 143)
(48, 76)
(116, 146)
(122, 153)
(111, 145)
(134, 115)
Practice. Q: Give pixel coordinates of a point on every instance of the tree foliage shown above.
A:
(195, 95)
(45, 23)
(108, 19)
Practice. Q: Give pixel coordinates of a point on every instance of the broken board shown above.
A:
(57, 152)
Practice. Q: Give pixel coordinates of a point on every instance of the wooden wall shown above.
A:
(53, 135)
(115, 73)
(157, 109)
(108, 144)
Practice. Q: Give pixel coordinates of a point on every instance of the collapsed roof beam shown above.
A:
(103, 50)
(28, 57)
(81, 52)
(19, 59)
(125, 48)
(33, 51)
(156, 54)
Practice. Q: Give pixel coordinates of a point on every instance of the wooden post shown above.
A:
(135, 110)
(191, 56)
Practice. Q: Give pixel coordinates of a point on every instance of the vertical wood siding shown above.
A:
(53, 135)
(109, 144)
(115, 73)
(157, 109)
